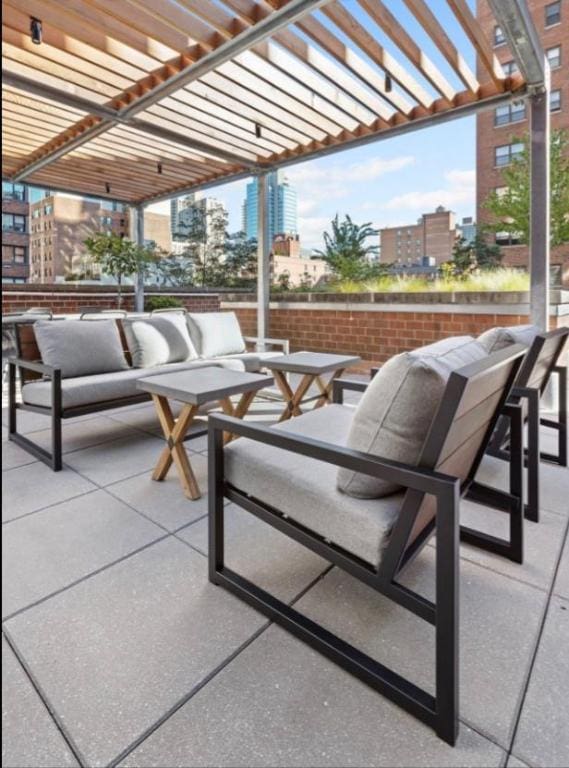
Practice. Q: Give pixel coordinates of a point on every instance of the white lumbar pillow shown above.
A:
(393, 417)
(159, 340)
(496, 339)
(216, 333)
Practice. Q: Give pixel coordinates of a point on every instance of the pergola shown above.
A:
(141, 100)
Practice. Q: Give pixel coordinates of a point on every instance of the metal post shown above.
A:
(263, 260)
(539, 209)
(137, 234)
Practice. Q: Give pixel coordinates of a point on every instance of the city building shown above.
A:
(286, 245)
(59, 225)
(282, 207)
(467, 229)
(430, 240)
(206, 215)
(178, 204)
(498, 130)
(15, 233)
(297, 269)
(157, 231)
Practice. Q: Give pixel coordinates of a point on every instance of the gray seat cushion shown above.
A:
(395, 413)
(498, 338)
(159, 340)
(305, 489)
(253, 361)
(80, 347)
(101, 388)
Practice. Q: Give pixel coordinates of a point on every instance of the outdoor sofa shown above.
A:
(367, 487)
(74, 367)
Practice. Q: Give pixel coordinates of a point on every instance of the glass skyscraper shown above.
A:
(282, 207)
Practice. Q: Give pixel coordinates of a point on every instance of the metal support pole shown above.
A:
(137, 235)
(263, 260)
(539, 209)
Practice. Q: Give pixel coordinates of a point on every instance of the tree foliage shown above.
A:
(118, 257)
(478, 254)
(510, 208)
(346, 248)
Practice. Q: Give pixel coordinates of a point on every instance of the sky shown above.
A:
(390, 182)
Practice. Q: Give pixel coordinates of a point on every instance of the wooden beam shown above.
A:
(478, 39)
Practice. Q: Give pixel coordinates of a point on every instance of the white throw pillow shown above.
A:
(216, 333)
(496, 339)
(159, 340)
(393, 417)
(80, 347)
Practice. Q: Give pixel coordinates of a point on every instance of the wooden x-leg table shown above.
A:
(311, 366)
(194, 388)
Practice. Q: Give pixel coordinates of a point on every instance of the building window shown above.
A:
(12, 191)
(499, 37)
(555, 100)
(12, 222)
(552, 14)
(507, 238)
(13, 254)
(510, 68)
(505, 154)
(513, 112)
(47, 209)
(554, 57)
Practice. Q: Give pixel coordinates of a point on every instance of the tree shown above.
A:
(283, 281)
(510, 207)
(346, 250)
(205, 235)
(240, 260)
(118, 257)
(478, 254)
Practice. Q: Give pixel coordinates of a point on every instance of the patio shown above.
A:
(119, 652)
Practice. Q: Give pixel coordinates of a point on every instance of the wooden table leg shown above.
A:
(175, 431)
(326, 389)
(239, 411)
(293, 399)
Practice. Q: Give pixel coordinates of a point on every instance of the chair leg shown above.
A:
(532, 457)
(56, 436)
(447, 591)
(215, 504)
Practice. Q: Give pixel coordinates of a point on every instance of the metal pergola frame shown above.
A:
(139, 102)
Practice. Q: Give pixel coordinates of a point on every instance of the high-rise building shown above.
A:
(498, 130)
(205, 214)
(432, 238)
(15, 233)
(282, 207)
(467, 229)
(59, 226)
(177, 204)
(157, 231)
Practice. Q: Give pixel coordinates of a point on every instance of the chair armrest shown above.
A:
(283, 343)
(416, 478)
(339, 385)
(31, 365)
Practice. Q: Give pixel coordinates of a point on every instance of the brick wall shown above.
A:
(66, 299)
(373, 335)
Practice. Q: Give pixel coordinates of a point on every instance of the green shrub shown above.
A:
(484, 280)
(161, 302)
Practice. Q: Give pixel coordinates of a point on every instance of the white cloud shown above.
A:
(311, 173)
(459, 191)
(311, 229)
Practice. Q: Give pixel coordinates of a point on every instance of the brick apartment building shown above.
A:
(59, 225)
(432, 237)
(15, 237)
(498, 129)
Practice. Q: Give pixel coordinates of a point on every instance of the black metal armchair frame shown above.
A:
(473, 400)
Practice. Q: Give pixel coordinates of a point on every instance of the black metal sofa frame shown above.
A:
(458, 438)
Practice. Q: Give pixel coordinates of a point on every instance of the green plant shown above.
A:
(478, 254)
(118, 257)
(161, 302)
(346, 250)
(500, 279)
(510, 207)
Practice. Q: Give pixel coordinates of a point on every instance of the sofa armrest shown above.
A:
(340, 385)
(284, 344)
(33, 365)
(412, 477)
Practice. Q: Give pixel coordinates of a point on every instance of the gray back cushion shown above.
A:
(216, 333)
(80, 347)
(159, 340)
(395, 413)
(496, 339)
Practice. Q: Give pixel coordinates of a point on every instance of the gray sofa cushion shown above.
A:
(394, 415)
(159, 340)
(305, 489)
(496, 339)
(80, 347)
(101, 388)
(215, 334)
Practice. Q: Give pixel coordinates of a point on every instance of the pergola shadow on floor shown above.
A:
(118, 651)
(138, 101)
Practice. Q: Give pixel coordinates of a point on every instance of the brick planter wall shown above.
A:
(69, 299)
(376, 331)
